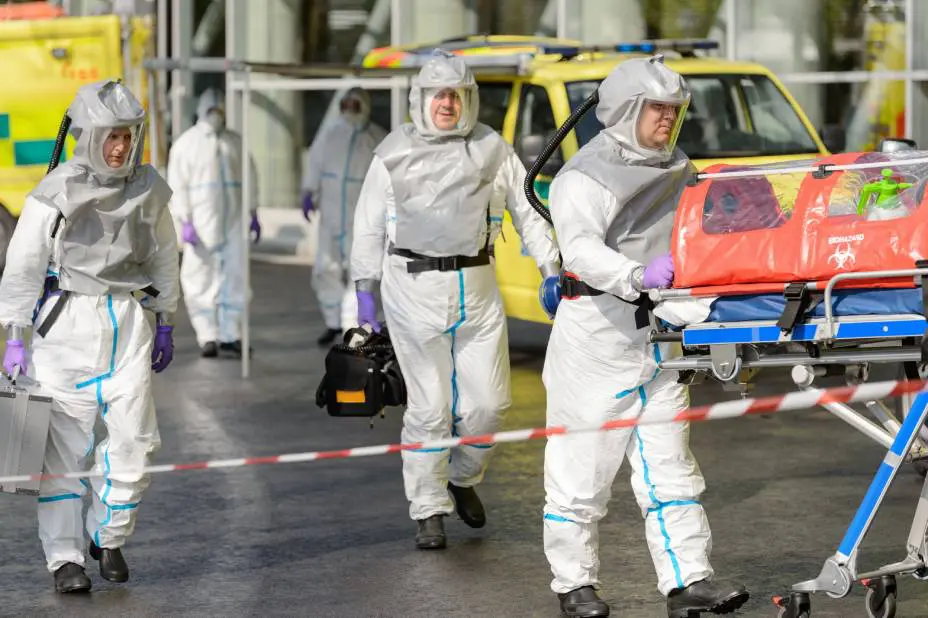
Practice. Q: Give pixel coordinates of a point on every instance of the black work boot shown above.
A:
(210, 350)
(431, 533)
(70, 577)
(468, 505)
(705, 596)
(583, 603)
(328, 336)
(113, 566)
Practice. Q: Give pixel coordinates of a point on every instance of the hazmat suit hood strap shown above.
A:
(442, 188)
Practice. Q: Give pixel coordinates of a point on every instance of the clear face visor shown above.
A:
(116, 151)
(446, 109)
(659, 124)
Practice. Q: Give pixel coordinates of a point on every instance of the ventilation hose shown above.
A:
(549, 149)
(59, 143)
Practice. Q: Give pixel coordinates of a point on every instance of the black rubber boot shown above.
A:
(583, 603)
(705, 596)
(113, 566)
(431, 533)
(210, 350)
(329, 336)
(71, 578)
(468, 505)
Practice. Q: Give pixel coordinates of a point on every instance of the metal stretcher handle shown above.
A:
(876, 274)
(838, 357)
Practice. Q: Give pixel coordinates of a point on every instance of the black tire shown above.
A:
(887, 609)
(7, 225)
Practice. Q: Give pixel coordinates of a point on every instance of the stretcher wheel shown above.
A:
(881, 597)
(796, 605)
(886, 609)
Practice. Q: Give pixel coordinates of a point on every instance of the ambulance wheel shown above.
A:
(7, 225)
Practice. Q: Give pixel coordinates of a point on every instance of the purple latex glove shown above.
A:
(15, 356)
(189, 234)
(308, 206)
(659, 273)
(162, 351)
(367, 311)
(255, 227)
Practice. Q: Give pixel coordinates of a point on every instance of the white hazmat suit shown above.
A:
(437, 194)
(335, 168)
(115, 238)
(613, 207)
(205, 173)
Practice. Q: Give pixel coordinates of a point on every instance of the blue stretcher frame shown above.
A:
(860, 338)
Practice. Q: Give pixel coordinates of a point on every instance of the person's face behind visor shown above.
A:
(445, 109)
(658, 124)
(350, 106)
(116, 147)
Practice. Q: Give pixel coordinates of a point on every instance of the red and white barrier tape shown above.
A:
(727, 409)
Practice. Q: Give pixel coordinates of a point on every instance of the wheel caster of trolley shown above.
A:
(881, 596)
(796, 605)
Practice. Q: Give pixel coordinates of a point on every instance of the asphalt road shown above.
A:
(333, 538)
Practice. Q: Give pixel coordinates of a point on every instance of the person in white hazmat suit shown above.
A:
(205, 172)
(93, 235)
(434, 198)
(335, 169)
(613, 207)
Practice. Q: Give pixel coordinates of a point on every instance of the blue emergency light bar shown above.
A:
(684, 46)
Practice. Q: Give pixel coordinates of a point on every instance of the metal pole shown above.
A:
(181, 80)
(731, 29)
(234, 51)
(561, 30)
(396, 38)
(158, 97)
(154, 123)
(246, 223)
(909, 66)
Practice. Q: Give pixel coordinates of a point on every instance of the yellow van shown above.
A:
(739, 112)
(43, 62)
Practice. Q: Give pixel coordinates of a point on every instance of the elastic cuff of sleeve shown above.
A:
(163, 318)
(638, 278)
(365, 285)
(15, 333)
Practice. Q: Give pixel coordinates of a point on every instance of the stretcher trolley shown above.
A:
(821, 267)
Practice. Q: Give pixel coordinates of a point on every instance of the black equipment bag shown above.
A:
(360, 380)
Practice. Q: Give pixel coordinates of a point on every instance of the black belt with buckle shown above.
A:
(51, 289)
(573, 288)
(419, 263)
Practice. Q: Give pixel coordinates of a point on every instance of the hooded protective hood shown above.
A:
(622, 96)
(443, 71)
(110, 213)
(211, 108)
(97, 109)
(363, 115)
